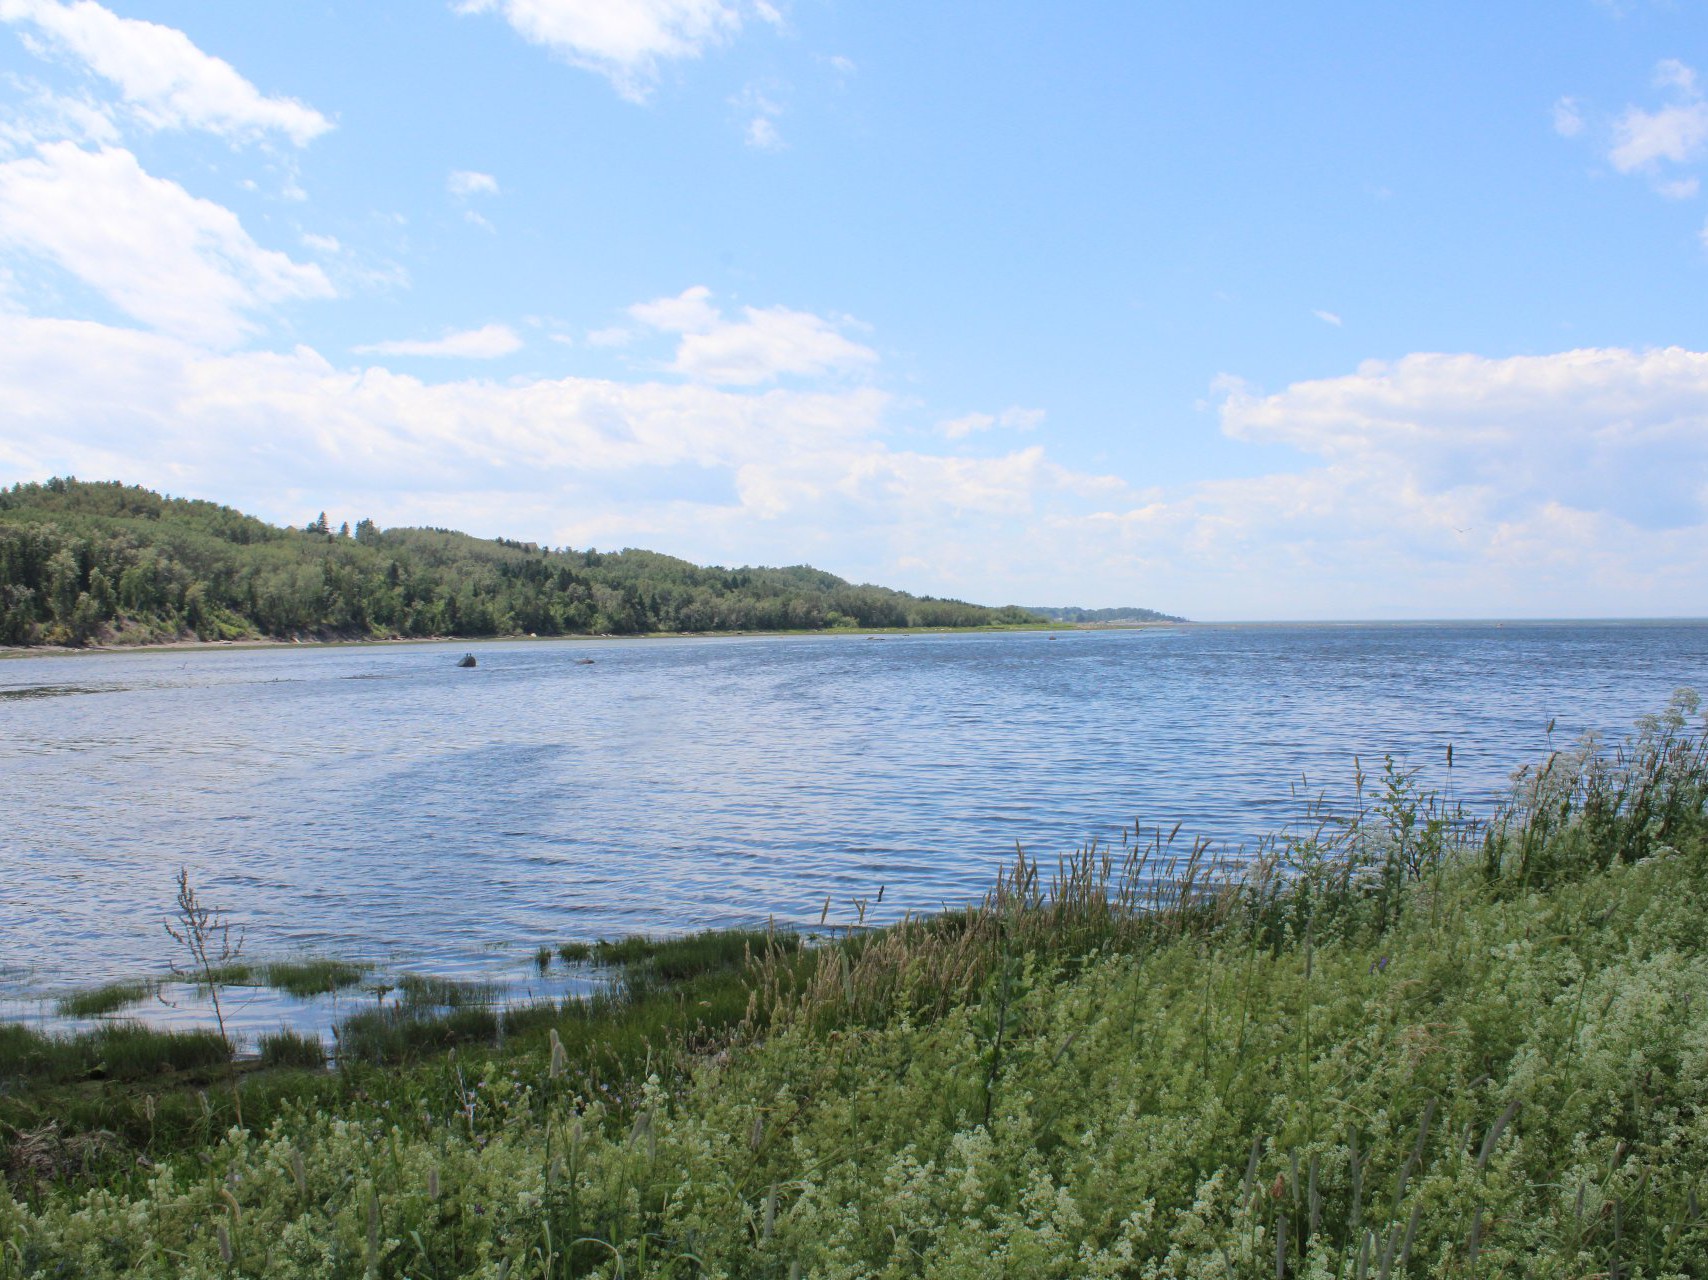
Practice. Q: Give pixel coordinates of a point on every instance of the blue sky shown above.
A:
(1240, 311)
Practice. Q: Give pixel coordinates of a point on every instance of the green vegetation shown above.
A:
(313, 976)
(421, 991)
(1402, 1045)
(84, 563)
(287, 1048)
(108, 999)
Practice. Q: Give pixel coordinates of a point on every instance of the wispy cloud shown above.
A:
(489, 342)
(1013, 418)
(466, 182)
(165, 81)
(625, 42)
(1674, 134)
(1327, 317)
(178, 263)
(761, 346)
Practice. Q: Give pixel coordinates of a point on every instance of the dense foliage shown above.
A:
(91, 562)
(1402, 1046)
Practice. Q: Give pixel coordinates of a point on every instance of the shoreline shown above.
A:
(196, 646)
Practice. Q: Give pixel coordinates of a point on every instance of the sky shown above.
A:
(1237, 311)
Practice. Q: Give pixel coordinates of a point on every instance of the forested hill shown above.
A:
(84, 563)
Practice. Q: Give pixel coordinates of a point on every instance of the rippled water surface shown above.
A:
(379, 802)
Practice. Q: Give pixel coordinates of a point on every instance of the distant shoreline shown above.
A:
(195, 646)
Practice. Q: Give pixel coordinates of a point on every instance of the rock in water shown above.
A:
(467, 660)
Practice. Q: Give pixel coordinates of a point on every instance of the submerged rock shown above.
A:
(467, 660)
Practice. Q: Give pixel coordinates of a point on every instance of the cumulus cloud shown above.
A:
(489, 342)
(1610, 430)
(623, 42)
(763, 345)
(1436, 485)
(166, 82)
(178, 263)
(465, 182)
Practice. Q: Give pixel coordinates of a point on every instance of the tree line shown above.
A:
(101, 562)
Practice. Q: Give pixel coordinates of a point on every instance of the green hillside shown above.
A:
(84, 563)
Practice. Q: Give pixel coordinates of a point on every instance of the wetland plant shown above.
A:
(288, 1048)
(313, 976)
(205, 934)
(105, 999)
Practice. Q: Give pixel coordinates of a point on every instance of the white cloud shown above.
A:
(1327, 317)
(1568, 119)
(763, 112)
(763, 345)
(691, 311)
(1679, 189)
(1620, 433)
(178, 263)
(614, 336)
(165, 80)
(1014, 418)
(1435, 485)
(967, 424)
(762, 135)
(489, 342)
(624, 41)
(1674, 134)
(465, 182)
(320, 243)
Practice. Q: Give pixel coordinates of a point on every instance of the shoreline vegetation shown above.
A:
(103, 564)
(1401, 1042)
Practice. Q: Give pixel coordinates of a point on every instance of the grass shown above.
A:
(306, 978)
(1401, 1045)
(689, 956)
(105, 999)
(288, 1048)
(117, 1051)
(404, 1034)
(421, 991)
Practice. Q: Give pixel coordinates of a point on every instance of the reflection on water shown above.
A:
(379, 803)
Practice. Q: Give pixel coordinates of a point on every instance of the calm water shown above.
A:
(381, 803)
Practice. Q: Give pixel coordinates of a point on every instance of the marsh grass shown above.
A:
(288, 1048)
(404, 1033)
(105, 999)
(118, 1051)
(422, 991)
(312, 976)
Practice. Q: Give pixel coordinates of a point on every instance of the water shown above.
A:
(380, 803)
